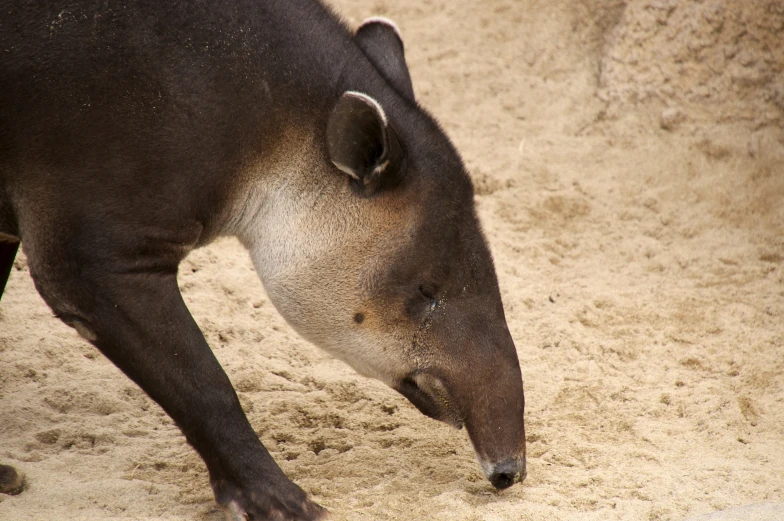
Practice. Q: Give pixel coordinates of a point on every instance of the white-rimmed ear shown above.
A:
(361, 143)
(382, 20)
(380, 40)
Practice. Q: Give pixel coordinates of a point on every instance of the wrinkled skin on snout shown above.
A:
(397, 280)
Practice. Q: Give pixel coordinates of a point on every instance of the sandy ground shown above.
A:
(629, 164)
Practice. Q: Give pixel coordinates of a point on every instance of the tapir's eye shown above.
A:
(421, 302)
(429, 293)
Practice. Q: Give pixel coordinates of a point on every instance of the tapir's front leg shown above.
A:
(141, 323)
(7, 255)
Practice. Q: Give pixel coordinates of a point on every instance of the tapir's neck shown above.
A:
(282, 202)
(269, 184)
(302, 225)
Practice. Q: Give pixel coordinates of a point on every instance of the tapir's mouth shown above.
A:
(429, 395)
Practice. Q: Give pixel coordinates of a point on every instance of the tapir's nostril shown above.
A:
(502, 480)
(505, 474)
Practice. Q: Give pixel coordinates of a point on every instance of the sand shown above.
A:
(629, 165)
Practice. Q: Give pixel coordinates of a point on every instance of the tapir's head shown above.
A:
(373, 251)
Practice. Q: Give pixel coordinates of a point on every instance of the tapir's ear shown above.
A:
(361, 143)
(380, 40)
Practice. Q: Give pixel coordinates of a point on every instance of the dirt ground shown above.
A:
(629, 165)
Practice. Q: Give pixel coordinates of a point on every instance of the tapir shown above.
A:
(133, 132)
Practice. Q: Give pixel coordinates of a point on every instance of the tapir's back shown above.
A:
(136, 97)
(147, 52)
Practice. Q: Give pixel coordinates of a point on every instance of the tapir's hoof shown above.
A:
(313, 512)
(289, 503)
(11, 481)
(310, 512)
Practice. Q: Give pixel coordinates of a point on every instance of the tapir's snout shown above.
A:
(479, 386)
(497, 432)
(505, 474)
(490, 392)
